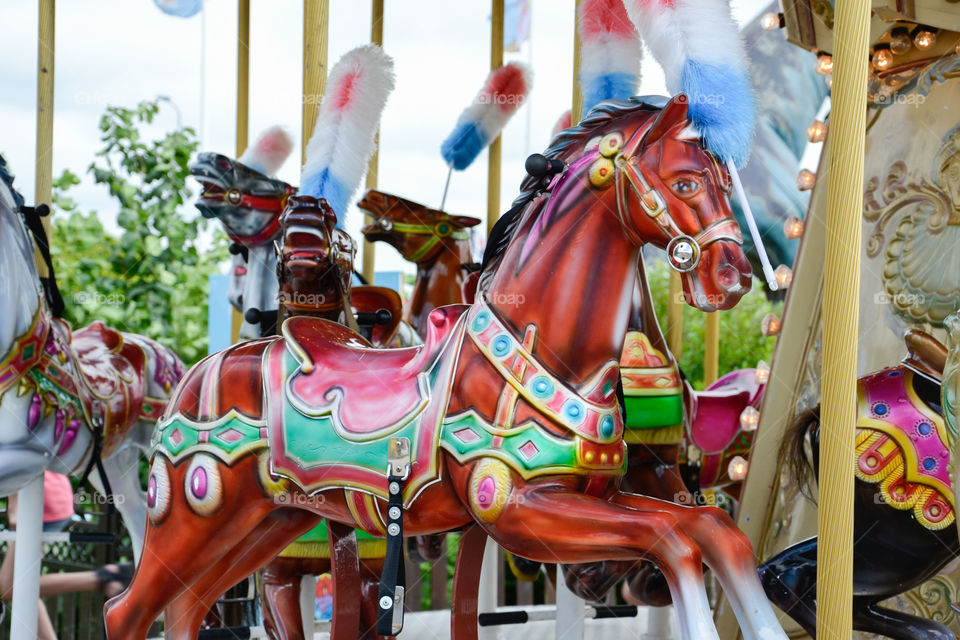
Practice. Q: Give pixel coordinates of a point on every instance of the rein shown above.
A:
(437, 232)
(32, 218)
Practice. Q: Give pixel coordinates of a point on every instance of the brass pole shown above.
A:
(243, 115)
(711, 349)
(316, 24)
(369, 248)
(841, 302)
(493, 158)
(576, 106)
(43, 186)
(675, 315)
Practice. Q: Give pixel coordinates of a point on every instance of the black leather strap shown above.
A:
(393, 571)
(31, 216)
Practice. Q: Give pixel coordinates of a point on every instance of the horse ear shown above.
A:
(675, 111)
(465, 221)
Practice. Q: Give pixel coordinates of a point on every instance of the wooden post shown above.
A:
(316, 24)
(493, 157)
(711, 348)
(576, 105)
(43, 186)
(369, 248)
(243, 115)
(841, 302)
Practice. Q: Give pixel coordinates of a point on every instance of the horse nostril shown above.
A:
(728, 277)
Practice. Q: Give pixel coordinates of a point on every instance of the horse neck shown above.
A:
(571, 272)
(20, 292)
(438, 282)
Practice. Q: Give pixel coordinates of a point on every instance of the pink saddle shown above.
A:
(714, 414)
(366, 389)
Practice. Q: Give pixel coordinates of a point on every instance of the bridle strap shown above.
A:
(436, 233)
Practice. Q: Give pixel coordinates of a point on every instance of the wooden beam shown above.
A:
(493, 157)
(369, 248)
(316, 25)
(43, 186)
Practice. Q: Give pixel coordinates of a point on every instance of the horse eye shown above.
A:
(685, 187)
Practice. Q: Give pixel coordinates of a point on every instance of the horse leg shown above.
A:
(185, 614)
(280, 599)
(551, 523)
(790, 582)
(181, 548)
(870, 617)
(728, 552)
(123, 473)
(370, 571)
(466, 584)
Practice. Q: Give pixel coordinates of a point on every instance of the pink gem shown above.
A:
(528, 449)
(176, 437)
(486, 492)
(263, 432)
(466, 435)
(204, 436)
(230, 435)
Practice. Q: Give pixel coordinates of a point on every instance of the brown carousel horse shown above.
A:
(436, 241)
(508, 413)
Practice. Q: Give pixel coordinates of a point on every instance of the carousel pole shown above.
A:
(243, 114)
(576, 106)
(369, 248)
(316, 24)
(28, 553)
(711, 348)
(493, 158)
(841, 304)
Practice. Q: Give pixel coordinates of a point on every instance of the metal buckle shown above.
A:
(398, 456)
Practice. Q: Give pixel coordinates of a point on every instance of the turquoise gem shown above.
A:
(542, 387)
(607, 427)
(481, 321)
(573, 410)
(500, 346)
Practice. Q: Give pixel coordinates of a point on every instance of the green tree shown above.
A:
(151, 278)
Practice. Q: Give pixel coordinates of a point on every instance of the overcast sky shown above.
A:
(123, 51)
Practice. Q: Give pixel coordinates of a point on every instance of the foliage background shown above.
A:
(152, 276)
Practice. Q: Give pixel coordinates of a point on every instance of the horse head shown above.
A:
(415, 230)
(316, 259)
(672, 193)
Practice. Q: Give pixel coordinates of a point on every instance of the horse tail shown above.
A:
(793, 455)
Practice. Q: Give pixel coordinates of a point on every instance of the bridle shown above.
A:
(443, 228)
(616, 162)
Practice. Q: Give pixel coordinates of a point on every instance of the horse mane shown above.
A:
(601, 115)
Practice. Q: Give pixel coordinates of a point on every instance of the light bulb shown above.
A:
(924, 37)
(749, 419)
(817, 131)
(882, 58)
(806, 179)
(793, 228)
(784, 276)
(824, 64)
(763, 372)
(737, 469)
(771, 20)
(770, 325)
(899, 41)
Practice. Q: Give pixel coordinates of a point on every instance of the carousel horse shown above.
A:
(437, 242)
(904, 531)
(506, 418)
(71, 398)
(248, 202)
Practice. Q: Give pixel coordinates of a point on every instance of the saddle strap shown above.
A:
(393, 579)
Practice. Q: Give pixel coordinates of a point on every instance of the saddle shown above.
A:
(365, 389)
(714, 414)
(367, 301)
(925, 353)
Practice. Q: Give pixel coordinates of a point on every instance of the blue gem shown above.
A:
(893, 374)
(881, 409)
(929, 464)
(573, 410)
(542, 387)
(924, 428)
(500, 346)
(606, 427)
(481, 321)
